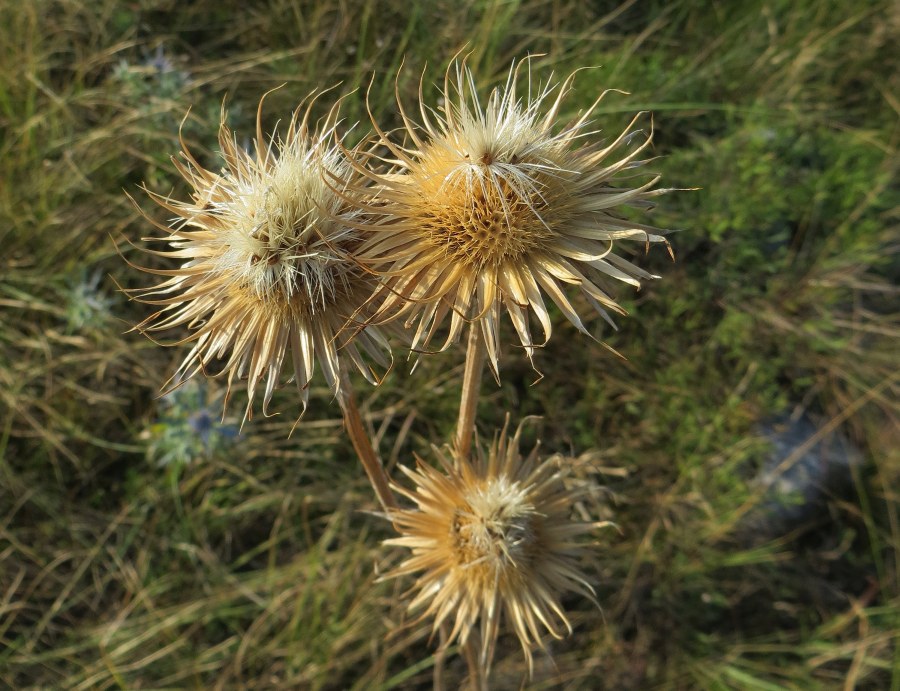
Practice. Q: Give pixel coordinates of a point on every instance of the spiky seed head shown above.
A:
(267, 269)
(494, 207)
(491, 538)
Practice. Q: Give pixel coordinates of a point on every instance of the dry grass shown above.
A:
(249, 560)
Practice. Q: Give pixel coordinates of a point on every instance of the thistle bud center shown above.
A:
(496, 527)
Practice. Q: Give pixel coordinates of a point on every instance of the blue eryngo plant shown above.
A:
(497, 206)
(491, 538)
(189, 426)
(88, 307)
(266, 273)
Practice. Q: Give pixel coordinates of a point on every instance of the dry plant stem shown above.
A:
(477, 677)
(440, 657)
(364, 450)
(465, 429)
(471, 388)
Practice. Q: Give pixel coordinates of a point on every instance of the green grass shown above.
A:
(134, 556)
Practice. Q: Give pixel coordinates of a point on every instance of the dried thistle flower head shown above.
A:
(492, 536)
(267, 268)
(495, 206)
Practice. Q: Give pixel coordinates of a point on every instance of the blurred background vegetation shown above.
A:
(747, 448)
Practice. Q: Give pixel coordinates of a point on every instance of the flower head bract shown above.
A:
(493, 207)
(267, 273)
(492, 537)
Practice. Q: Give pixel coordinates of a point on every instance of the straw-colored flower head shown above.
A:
(267, 271)
(496, 206)
(489, 538)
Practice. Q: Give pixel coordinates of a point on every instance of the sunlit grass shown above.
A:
(255, 562)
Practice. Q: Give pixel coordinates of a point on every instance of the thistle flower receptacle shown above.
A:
(492, 537)
(493, 207)
(267, 268)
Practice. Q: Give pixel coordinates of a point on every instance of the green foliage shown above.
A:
(189, 427)
(257, 565)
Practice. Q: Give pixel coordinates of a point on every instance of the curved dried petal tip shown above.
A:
(266, 264)
(492, 537)
(497, 208)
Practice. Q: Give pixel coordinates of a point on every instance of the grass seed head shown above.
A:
(267, 271)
